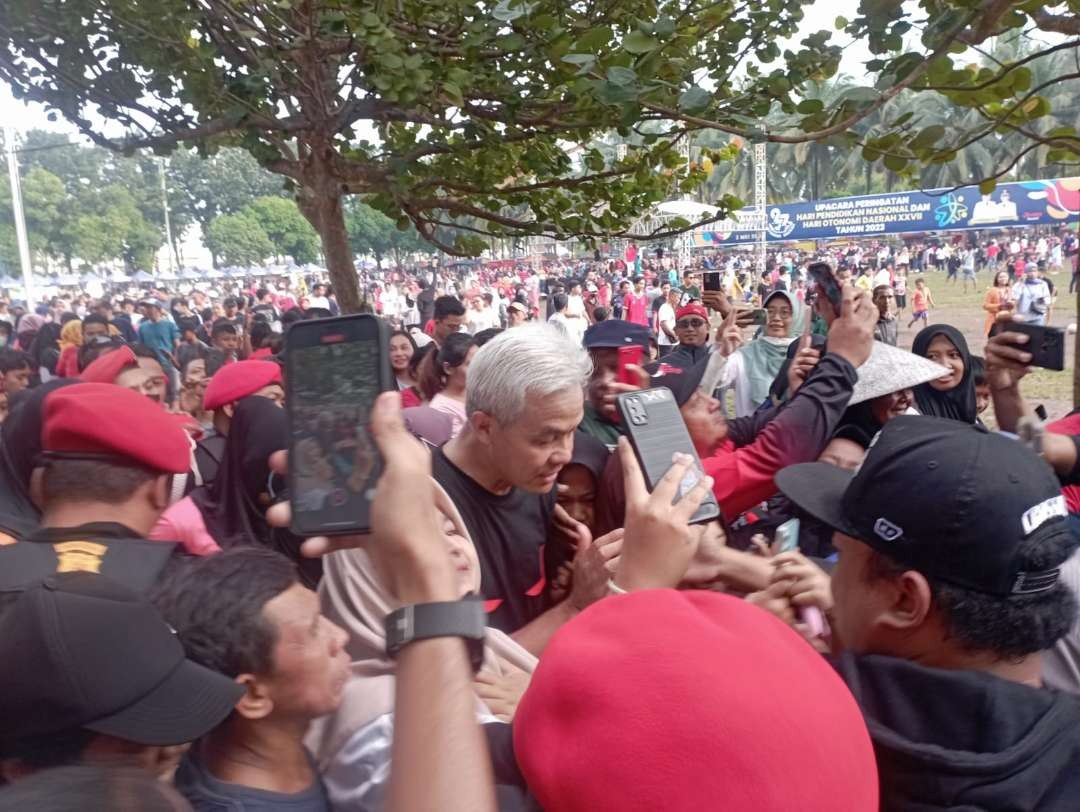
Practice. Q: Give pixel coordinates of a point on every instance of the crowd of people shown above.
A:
(883, 617)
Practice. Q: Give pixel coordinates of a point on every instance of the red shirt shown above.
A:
(636, 309)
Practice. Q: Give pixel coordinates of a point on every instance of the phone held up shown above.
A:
(826, 284)
(710, 280)
(656, 431)
(1046, 344)
(335, 368)
(629, 356)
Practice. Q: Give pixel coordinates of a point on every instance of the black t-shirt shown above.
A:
(425, 303)
(509, 533)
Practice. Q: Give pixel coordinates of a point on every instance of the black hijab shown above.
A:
(959, 402)
(230, 504)
(20, 446)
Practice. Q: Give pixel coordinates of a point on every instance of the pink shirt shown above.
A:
(184, 523)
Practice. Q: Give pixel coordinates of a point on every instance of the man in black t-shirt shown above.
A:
(524, 402)
(425, 302)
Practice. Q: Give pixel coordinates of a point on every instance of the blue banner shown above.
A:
(1028, 203)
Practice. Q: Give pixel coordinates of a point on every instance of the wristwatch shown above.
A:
(423, 621)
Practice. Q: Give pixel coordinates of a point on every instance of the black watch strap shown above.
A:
(465, 619)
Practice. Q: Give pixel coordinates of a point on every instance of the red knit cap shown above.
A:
(235, 381)
(692, 309)
(107, 368)
(103, 419)
(689, 701)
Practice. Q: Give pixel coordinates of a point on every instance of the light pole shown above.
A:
(20, 220)
(760, 191)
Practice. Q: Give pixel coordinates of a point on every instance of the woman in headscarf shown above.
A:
(752, 368)
(27, 329)
(20, 445)
(352, 745)
(951, 396)
(46, 350)
(230, 510)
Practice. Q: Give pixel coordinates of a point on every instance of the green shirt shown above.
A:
(599, 427)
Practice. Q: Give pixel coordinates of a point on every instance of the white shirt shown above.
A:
(666, 316)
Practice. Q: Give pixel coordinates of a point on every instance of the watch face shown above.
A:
(465, 619)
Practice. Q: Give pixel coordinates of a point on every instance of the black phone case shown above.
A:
(1046, 344)
(710, 281)
(656, 431)
(302, 522)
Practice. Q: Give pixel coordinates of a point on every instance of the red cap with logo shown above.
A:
(93, 420)
(692, 309)
(235, 381)
(107, 368)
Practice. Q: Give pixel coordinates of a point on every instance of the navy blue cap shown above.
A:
(616, 333)
(681, 377)
(948, 499)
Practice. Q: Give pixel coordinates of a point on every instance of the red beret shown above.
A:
(684, 701)
(107, 368)
(692, 309)
(235, 381)
(100, 418)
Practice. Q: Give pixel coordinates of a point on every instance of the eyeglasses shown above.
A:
(690, 324)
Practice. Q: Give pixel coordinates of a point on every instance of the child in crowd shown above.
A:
(921, 302)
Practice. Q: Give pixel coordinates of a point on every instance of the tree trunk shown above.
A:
(326, 214)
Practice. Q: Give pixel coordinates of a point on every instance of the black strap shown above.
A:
(424, 621)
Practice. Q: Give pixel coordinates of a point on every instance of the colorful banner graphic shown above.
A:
(1028, 203)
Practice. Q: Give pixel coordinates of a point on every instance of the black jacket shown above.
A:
(966, 741)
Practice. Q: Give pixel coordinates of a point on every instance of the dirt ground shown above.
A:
(964, 311)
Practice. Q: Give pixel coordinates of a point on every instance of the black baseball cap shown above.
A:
(951, 500)
(616, 333)
(81, 651)
(682, 378)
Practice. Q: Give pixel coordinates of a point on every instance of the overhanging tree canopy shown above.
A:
(476, 105)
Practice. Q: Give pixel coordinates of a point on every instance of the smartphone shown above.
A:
(628, 356)
(710, 280)
(826, 283)
(656, 430)
(761, 316)
(787, 536)
(335, 368)
(1046, 344)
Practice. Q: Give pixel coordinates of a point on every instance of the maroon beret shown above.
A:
(107, 368)
(102, 419)
(235, 381)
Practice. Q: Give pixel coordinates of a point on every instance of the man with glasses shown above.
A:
(692, 331)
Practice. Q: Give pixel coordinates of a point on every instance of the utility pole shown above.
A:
(165, 207)
(760, 192)
(20, 220)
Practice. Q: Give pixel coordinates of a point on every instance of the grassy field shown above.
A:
(964, 311)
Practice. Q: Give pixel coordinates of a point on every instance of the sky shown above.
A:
(820, 14)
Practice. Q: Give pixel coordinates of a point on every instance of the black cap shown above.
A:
(951, 500)
(616, 333)
(81, 651)
(683, 379)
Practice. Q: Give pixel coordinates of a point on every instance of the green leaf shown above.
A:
(621, 76)
(594, 39)
(987, 186)
(694, 99)
(841, 23)
(895, 162)
(453, 93)
(860, 94)
(638, 43)
(579, 59)
(929, 136)
(810, 106)
(391, 61)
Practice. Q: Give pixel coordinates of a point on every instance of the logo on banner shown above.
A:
(780, 224)
(951, 209)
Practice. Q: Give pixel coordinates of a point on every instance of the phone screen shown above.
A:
(627, 356)
(826, 283)
(710, 280)
(333, 381)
